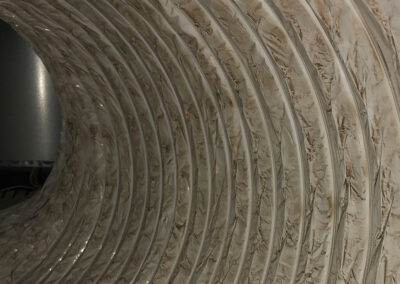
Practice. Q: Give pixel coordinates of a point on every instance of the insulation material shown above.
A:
(243, 141)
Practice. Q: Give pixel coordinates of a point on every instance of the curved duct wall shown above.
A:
(214, 141)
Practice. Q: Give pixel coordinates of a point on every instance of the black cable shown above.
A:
(17, 187)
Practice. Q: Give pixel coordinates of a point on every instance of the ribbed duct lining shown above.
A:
(214, 141)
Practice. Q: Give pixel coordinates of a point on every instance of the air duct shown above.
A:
(214, 142)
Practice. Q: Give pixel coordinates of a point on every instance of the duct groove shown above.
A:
(214, 141)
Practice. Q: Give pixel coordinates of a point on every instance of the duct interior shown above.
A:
(214, 141)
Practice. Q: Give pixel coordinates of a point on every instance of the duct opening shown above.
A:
(29, 119)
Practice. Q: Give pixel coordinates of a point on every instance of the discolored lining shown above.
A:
(214, 141)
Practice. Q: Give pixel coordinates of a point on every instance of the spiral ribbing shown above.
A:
(214, 141)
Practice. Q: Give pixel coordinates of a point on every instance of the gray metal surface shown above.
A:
(29, 110)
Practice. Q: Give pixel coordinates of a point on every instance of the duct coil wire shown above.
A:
(214, 142)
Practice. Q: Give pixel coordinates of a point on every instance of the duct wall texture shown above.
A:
(243, 141)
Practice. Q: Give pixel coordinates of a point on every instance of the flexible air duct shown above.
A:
(214, 142)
